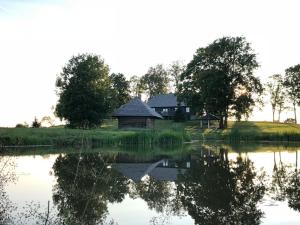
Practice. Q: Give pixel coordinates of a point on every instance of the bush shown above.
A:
(20, 125)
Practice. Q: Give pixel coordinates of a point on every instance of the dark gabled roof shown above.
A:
(136, 108)
(164, 100)
(209, 116)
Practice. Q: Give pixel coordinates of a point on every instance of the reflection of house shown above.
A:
(160, 170)
(209, 121)
(167, 104)
(136, 114)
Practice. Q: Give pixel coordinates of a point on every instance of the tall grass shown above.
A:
(62, 137)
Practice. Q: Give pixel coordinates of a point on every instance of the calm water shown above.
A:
(203, 185)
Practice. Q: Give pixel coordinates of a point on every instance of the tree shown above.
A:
(36, 123)
(120, 90)
(175, 71)
(156, 81)
(220, 79)
(275, 89)
(136, 86)
(292, 85)
(83, 88)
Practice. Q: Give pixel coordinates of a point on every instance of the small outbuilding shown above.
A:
(209, 121)
(136, 114)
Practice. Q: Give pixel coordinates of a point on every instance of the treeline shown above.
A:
(284, 91)
(219, 80)
(88, 93)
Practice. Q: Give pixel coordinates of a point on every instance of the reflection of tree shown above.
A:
(84, 187)
(157, 194)
(293, 187)
(279, 179)
(7, 175)
(219, 192)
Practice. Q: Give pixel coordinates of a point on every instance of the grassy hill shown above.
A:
(256, 131)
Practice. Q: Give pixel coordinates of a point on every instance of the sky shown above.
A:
(38, 37)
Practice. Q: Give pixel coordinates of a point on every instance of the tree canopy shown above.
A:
(120, 88)
(220, 79)
(292, 85)
(83, 88)
(156, 81)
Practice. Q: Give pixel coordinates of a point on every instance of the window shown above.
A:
(187, 109)
(165, 110)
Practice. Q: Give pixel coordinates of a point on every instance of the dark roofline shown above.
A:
(209, 116)
(136, 108)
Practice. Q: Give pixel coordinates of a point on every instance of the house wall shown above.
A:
(135, 122)
(171, 111)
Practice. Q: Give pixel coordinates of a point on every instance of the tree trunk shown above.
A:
(279, 112)
(295, 113)
(225, 121)
(273, 111)
(221, 124)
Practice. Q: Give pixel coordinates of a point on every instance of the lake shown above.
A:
(204, 184)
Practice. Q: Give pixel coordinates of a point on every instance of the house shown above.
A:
(136, 114)
(167, 104)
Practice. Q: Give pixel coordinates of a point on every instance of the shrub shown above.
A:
(20, 125)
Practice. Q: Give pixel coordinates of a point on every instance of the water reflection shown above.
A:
(286, 182)
(218, 191)
(7, 175)
(208, 185)
(84, 187)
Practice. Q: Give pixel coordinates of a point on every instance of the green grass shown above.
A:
(164, 135)
(256, 131)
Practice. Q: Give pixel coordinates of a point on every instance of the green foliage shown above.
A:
(119, 90)
(83, 88)
(220, 79)
(156, 81)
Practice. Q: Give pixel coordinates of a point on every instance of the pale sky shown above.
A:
(38, 37)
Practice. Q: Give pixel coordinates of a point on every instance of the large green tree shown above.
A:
(292, 85)
(120, 90)
(83, 88)
(220, 79)
(156, 81)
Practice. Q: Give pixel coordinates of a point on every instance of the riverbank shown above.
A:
(166, 134)
(107, 135)
(255, 131)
